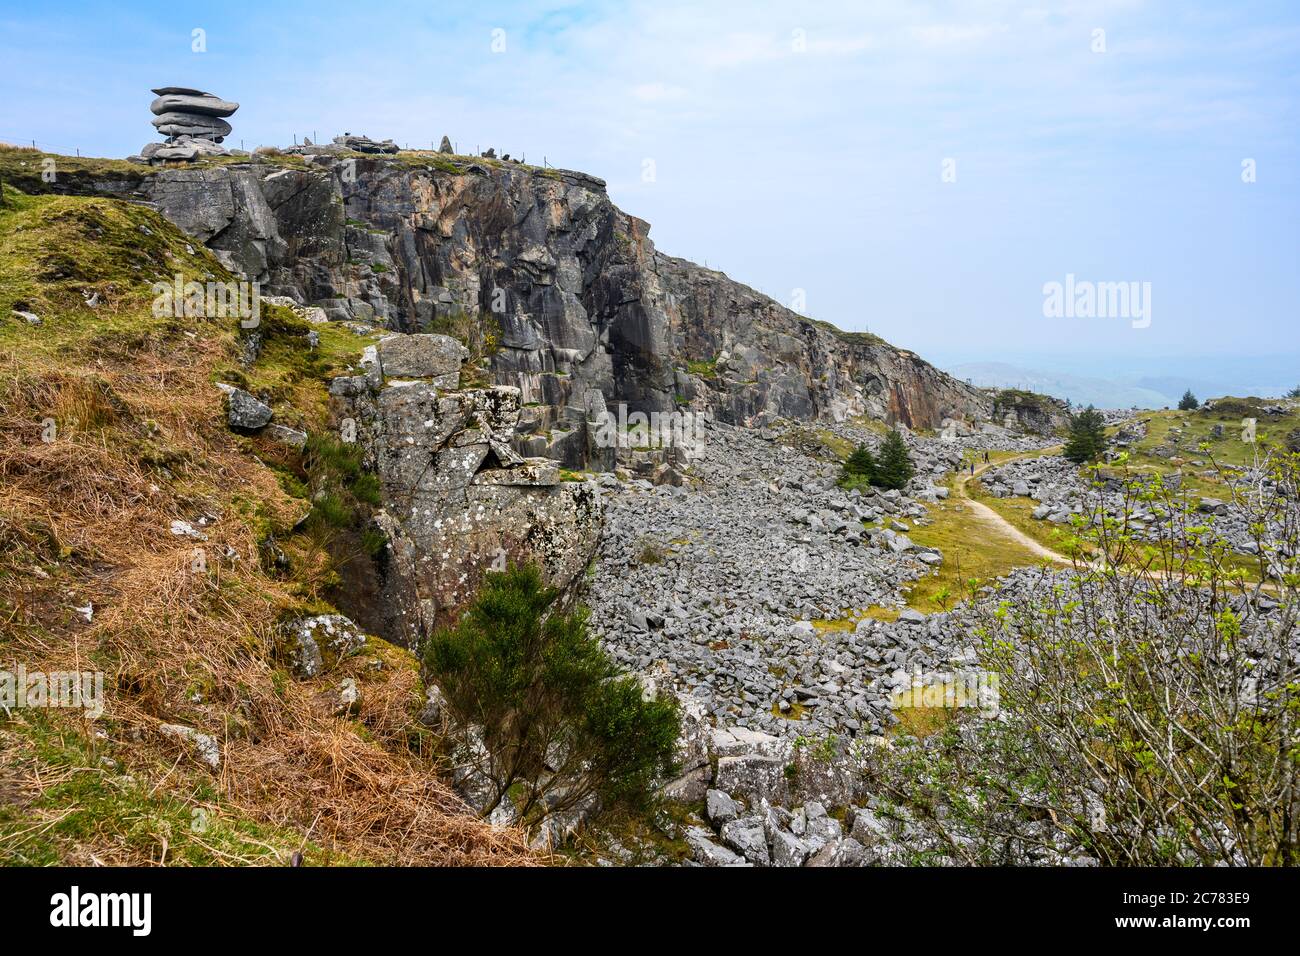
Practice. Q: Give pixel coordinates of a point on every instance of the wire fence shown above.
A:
(10, 139)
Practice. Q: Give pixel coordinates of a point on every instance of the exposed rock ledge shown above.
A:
(458, 502)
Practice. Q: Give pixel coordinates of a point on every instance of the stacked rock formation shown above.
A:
(193, 121)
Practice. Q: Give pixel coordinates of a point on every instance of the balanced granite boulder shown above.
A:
(192, 121)
(173, 123)
(194, 102)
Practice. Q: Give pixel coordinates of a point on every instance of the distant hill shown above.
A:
(1077, 389)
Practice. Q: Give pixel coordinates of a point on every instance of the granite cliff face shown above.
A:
(458, 502)
(570, 290)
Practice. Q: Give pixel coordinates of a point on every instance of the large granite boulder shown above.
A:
(364, 144)
(437, 357)
(191, 102)
(459, 503)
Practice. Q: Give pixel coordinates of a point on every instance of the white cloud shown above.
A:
(657, 92)
(953, 34)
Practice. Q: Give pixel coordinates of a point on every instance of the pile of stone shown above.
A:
(194, 123)
(364, 144)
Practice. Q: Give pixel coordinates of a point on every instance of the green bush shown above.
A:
(1188, 402)
(894, 467)
(1087, 437)
(538, 713)
(861, 462)
(1145, 703)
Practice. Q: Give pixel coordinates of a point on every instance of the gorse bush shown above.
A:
(538, 713)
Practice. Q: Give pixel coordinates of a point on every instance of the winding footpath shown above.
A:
(994, 521)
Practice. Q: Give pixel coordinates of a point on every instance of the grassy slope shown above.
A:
(1194, 429)
(141, 441)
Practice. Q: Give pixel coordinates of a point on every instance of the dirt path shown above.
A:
(994, 521)
(1000, 525)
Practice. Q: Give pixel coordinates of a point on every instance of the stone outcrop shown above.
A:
(364, 144)
(459, 503)
(1030, 411)
(568, 289)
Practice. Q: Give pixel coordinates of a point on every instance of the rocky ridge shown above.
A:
(567, 290)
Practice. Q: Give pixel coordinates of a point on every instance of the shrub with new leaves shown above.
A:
(1149, 700)
(538, 713)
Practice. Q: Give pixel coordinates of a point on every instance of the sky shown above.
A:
(921, 170)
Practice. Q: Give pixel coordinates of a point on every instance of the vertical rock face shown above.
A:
(458, 502)
(569, 289)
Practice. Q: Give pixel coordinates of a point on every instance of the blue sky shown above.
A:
(796, 146)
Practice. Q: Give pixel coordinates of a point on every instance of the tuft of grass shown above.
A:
(650, 554)
(921, 722)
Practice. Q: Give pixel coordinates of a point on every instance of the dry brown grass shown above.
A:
(86, 518)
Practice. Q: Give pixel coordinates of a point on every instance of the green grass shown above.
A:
(855, 338)
(972, 556)
(54, 248)
(819, 442)
(89, 799)
(289, 372)
(1019, 512)
(1197, 427)
(835, 626)
(23, 167)
(795, 712)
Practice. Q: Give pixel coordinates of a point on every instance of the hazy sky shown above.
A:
(796, 146)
